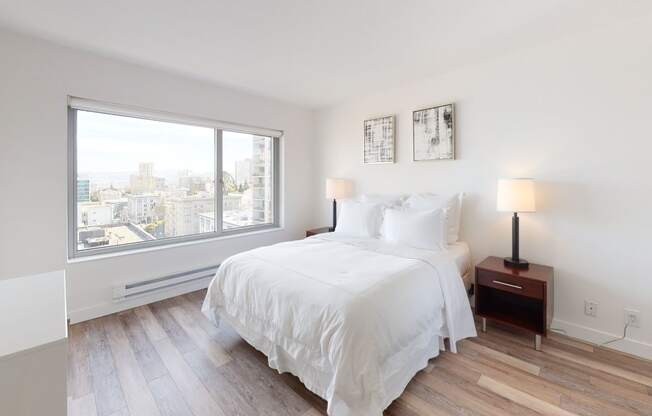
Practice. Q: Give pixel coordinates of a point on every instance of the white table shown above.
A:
(33, 345)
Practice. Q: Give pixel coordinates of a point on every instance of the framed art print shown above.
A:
(378, 146)
(433, 133)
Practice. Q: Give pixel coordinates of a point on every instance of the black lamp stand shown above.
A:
(334, 215)
(515, 262)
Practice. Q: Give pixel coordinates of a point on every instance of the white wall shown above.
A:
(35, 79)
(575, 114)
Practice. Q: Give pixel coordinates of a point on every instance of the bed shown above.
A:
(354, 318)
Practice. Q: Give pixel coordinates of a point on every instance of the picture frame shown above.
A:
(379, 137)
(433, 133)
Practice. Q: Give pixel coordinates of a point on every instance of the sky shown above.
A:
(108, 144)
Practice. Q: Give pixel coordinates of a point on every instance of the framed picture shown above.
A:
(378, 146)
(433, 133)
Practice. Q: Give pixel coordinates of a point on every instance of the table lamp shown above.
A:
(337, 189)
(515, 195)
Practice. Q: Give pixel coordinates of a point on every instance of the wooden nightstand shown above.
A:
(319, 230)
(521, 298)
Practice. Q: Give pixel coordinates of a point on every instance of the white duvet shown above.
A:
(353, 319)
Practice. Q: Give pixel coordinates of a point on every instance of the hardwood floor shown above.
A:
(167, 359)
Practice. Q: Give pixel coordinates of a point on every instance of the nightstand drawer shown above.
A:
(525, 287)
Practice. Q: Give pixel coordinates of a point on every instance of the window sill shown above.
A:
(83, 259)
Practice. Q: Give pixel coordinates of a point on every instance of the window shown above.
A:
(141, 178)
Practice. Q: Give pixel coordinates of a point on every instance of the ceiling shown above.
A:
(309, 52)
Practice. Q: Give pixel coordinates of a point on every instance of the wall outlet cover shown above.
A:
(633, 318)
(590, 308)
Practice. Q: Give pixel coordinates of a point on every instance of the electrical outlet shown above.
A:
(632, 318)
(590, 308)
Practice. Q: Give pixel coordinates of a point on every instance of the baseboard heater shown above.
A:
(126, 291)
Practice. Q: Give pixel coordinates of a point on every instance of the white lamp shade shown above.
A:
(338, 188)
(516, 195)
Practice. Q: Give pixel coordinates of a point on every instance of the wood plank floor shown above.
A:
(166, 359)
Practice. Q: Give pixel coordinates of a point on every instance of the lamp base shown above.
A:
(516, 263)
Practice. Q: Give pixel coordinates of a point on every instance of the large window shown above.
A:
(141, 179)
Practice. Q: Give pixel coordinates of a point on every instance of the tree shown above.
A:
(228, 183)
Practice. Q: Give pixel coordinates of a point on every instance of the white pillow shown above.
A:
(419, 229)
(360, 219)
(389, 201)
(452, 204)
(386, 201)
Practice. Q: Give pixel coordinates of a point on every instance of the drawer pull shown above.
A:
(498, 282)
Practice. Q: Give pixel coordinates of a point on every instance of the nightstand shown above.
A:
(319, 230)
(522, 298)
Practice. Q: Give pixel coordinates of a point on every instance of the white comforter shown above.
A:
(353, 319)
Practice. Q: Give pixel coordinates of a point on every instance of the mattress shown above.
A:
(462, 255)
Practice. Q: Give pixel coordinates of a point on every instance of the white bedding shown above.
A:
(354, 319)
(462, 257)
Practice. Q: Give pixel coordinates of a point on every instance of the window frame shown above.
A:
(78, 104)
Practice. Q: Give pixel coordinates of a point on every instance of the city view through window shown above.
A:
(141, 180)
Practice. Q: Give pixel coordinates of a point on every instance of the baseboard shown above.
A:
(594, 336)
(109, 307)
